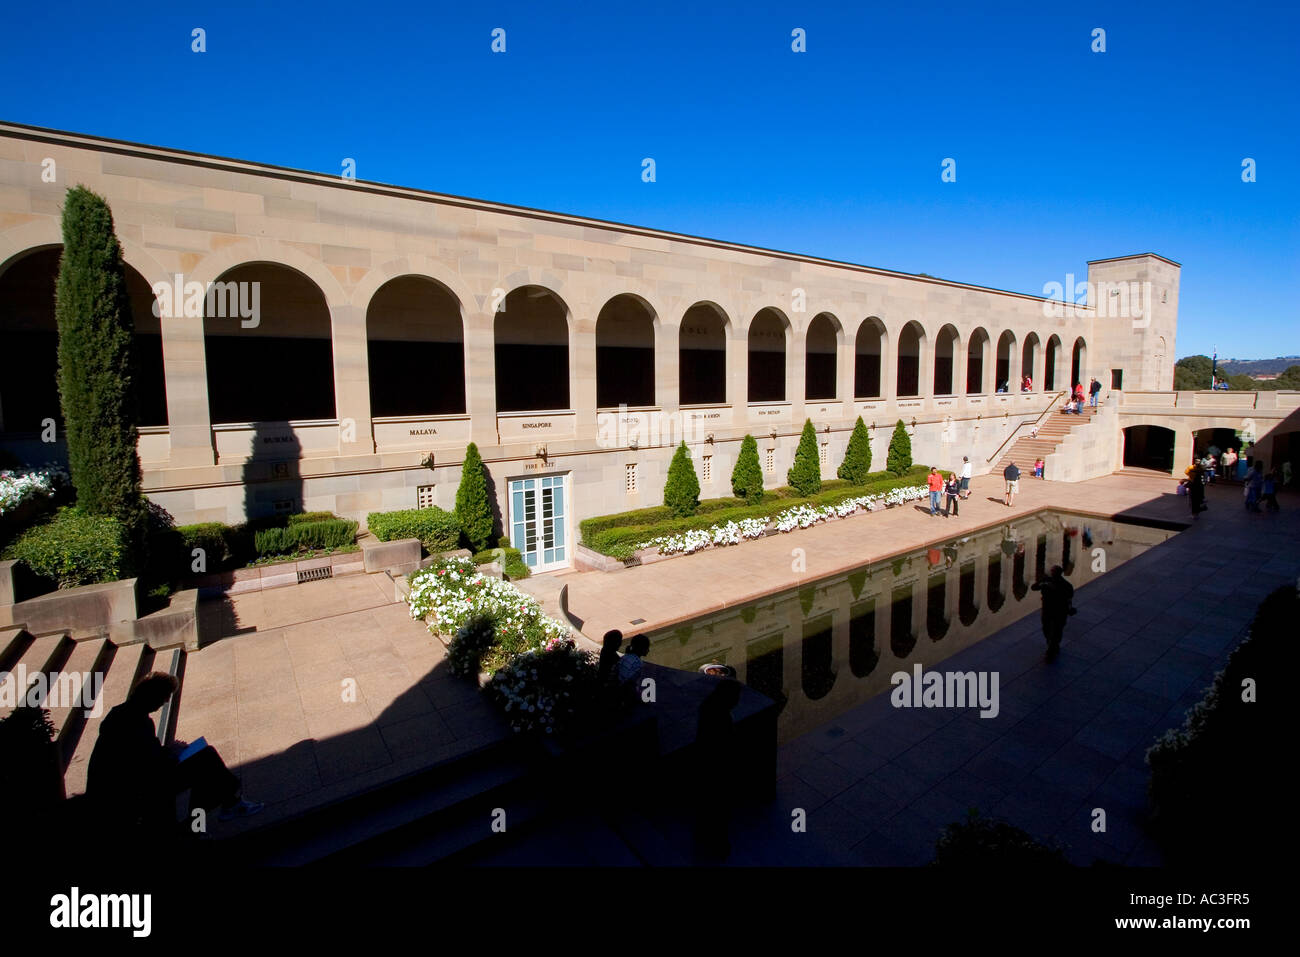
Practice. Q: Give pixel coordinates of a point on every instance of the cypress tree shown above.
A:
(682, 489)
(805, 476)
(900, 450)
(747, 476)
(473, 506)
(97, 364)
(857, 457)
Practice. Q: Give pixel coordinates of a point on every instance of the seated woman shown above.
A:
(133, 779)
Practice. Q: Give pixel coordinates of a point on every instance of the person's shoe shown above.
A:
(241, 810)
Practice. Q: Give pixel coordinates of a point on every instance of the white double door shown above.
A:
(539, 521)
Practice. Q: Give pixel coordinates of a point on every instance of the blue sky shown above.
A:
(1063, 155)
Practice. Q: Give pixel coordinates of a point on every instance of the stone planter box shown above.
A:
(85, 611)
(262, 577)
(398, 557)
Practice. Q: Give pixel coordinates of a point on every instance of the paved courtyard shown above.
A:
(878, 784)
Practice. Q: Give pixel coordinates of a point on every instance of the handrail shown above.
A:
(1016, 431)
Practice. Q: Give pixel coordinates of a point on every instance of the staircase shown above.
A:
(1051, 430)
(114, 670)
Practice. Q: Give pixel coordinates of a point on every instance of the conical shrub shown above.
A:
(747, 476)
(900, 450)
(805, 476)
(473, 504)
(857, 457)
(682, 489)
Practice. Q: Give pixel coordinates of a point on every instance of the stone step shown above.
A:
(122, 668)
(87, 659)
(44, 654)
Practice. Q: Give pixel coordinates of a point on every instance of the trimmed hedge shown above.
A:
(75, 548)
(333, 533)
(303, 518)
(619, 541)
(213, 537)
(437, 530)
(781, 498)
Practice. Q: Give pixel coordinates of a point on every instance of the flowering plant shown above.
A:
(17, 487)
(454, 593)
(547, 690)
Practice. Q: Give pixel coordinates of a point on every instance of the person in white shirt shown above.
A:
(965, 476)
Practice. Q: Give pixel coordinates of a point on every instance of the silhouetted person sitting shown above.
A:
(607, 666)
(134, 779)
(1058, 597)
(715, 761)
(629, 669)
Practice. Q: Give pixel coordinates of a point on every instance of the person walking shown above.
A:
(1269, 494)
(1195, 491)
(953, 490)
(1012, 476)
(965, 476)
(1229, 464)
(1254, 487)
(1058, 605)
(1094, 390)
(716, 769)
(934, 482)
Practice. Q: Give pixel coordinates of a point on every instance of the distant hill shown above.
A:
(1257, 366)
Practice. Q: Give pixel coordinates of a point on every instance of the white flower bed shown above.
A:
(18, 487)
(800, 516)
(454, 592)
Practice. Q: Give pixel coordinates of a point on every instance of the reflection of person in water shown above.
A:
(1058, 597)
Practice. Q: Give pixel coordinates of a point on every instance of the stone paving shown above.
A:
(879, 783)
(274, 700)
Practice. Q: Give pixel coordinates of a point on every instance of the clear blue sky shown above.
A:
(1063, 155)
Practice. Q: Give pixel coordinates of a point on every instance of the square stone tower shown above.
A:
(1136, 321)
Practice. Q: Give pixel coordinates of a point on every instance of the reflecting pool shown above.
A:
(825, 647)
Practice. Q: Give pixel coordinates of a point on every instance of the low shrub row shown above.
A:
(74, 548)
(304, 536)
(437, 530)
(785, 494)
(619, 541)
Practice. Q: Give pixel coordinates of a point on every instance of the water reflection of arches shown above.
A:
(901, 637)
(967, 606)
(936, 596)
(1019, 586)
(1040, 558)
(996, 597)
(863, 653)
(818, 671)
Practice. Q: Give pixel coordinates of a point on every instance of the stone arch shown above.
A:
(870, 350)
(627, 329)
(911, 359)
(1052, 365)
(768, 338)
(947, 347)
(1006, 363)
(533, 342)
(415, 325)
(822, 341)
(264, 250)
(703, 335)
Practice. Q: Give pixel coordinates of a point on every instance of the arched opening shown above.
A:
(415, 339)
(1079, 363)
(29, 341)
(910, 344)
(868, 347)
(531, 348)
(625, 353)
(995, 597)
(1028, 363)
(967, 608)
(1019, 584)
(1286, 457)
(901, 637)
(282, 368)
(863, 653)
(1149, 447)
(977, 352)
(767, 335)
(1040, 557)
(1006, 358)
(820, 367)
(1051, 380)
(936, 620)
(946, 347)
(1218, 441)
(702, 356)
(818, 658)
